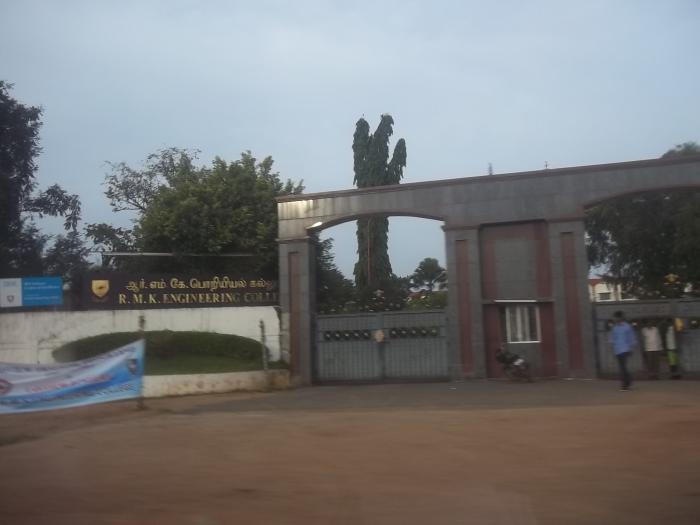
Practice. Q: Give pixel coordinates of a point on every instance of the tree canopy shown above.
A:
(372, 167)
(649, 243)
(227, 208)
(333, 291)
(429, 275)
(21, 243)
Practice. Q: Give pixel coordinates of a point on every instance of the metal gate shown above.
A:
(388, 346)
(688, 340)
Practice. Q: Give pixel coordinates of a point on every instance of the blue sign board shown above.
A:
(42, 291)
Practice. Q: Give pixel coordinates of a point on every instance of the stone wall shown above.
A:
(188, 384)
(30, 337)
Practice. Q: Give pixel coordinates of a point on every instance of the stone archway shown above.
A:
(511, 241)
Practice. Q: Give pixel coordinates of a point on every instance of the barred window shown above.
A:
(522, 323)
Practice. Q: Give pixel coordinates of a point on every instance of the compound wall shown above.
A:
(30, 337)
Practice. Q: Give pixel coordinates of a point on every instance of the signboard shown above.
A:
(31, 291)
(108, 377)
(10, 293)
(125, 291)
(42, 291)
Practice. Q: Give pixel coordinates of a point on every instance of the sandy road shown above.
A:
(483, 453)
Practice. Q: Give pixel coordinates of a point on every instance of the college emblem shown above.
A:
(100, 287)
(10, 298)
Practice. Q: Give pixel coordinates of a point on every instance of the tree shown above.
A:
(428, 275)
(333, 291)
(372, 167)
(133, 190)
(228, 208)
(108, 238)
(19, 146)
(649, 242)
(21, 244)
(682, 150)
(68, 257)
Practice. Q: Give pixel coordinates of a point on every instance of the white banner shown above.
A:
(108, 377)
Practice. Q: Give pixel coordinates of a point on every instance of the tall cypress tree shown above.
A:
(373, 168)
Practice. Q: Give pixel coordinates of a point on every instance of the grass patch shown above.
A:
(176, 352)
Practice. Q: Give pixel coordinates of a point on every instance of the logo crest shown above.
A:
(100, 287)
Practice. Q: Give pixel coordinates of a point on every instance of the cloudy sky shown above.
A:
(511, 83)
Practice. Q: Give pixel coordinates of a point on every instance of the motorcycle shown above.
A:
(515, 367)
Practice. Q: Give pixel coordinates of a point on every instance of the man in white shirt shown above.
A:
(651, 340)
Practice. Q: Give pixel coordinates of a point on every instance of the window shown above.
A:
(522, 323)
(604, 296)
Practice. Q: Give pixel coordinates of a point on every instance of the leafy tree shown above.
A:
(428, 275)
(211, 211)
(424, 300)
(19, 146)
(683, 150)
(24, 255)
(134, 190)
(68, 257)
(108, 238)
(373, 168)
(21, 244)
(391, 296)
(649, 242)
(333, 291)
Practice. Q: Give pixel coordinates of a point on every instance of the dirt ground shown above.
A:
(554, 452)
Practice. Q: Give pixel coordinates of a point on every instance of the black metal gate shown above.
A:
(388, 346)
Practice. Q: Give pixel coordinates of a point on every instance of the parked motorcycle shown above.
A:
(515, 367)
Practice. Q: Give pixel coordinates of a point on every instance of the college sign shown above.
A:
(123, 291)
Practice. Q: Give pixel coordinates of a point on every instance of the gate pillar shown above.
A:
(297, 303)
(465, 335)
(572, 308)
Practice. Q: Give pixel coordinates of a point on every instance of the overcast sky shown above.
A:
(511, 83)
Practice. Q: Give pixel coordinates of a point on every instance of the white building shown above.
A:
(601, 291)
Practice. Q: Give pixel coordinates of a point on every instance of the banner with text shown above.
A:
(108, 377)
(24, 292)
(124, 291)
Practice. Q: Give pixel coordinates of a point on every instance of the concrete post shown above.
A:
(464, 313)
(297, 302)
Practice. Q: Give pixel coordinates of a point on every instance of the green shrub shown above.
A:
(170, 352)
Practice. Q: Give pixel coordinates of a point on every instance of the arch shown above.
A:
(542, 258)
(353, 217)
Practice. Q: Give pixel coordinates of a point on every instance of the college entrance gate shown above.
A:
(513, 243)
(388, 346)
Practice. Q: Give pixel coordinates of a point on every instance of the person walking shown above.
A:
(623, 340)
(653, 348)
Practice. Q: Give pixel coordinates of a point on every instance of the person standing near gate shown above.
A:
(623, 341)
(653, 348)
(668, 329)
